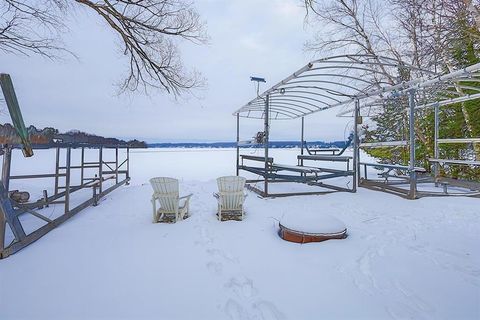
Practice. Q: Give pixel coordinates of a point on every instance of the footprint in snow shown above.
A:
(268, 311)
(235, 311)
(215, 267)
(242, 287)
(222, 254)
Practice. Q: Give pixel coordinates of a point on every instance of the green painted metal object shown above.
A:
(15, 113)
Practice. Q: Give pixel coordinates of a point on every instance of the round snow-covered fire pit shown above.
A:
(311, 227)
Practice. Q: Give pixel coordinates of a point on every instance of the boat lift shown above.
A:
(22, 220)
(344, 82)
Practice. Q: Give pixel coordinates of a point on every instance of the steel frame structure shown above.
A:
(357, 83)
(434, 93)
(116, 170)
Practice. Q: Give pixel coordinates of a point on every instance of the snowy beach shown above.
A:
(402, 259)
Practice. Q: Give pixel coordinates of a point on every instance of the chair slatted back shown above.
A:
(231, 191)
(167, 191)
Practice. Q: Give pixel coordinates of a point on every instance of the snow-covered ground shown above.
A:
(402, 259)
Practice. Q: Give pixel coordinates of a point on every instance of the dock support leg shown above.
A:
(435, 145)
(100, 169)
(266, 116)
(356, 148)
(238, 141)
(57, 169)
(128, 167)
(67, 180)
(413, 175)
(302, 141)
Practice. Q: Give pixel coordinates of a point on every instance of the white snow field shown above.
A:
(402, 259)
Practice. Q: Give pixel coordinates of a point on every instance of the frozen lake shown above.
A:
(402, 259)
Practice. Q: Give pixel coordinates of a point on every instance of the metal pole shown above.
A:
(356, 167)
(100, 169)
(116, 165)
(5, 180)
(7, 161)
(413, 176)
(435, 145)
(81, 166)
(238, 140)
(57, 169)
(3, 222)
(303, 135)
(67, 180)
(267, 111)
(128, 166)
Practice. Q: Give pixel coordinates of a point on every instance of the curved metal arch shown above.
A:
(333, 75)
(349, 78)
(346, 67)
(331, 82)
(277, 109)
(298, 101)
(289, 103)
(278, 103)
(310, 92)
(323, 89)
(392, 62)
(283, 105)
(286, 95)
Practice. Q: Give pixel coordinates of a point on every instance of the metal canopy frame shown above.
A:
(357, 83)
(432, 92)
(331, 82)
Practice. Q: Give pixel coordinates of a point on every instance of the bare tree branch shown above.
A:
(150, 31)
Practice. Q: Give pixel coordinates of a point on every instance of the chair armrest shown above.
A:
(185, 197)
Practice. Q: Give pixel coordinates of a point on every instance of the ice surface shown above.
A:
(403, 259)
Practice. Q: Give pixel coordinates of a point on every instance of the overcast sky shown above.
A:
(247, 37)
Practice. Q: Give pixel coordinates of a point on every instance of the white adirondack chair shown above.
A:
(231, 197)
(172, 207)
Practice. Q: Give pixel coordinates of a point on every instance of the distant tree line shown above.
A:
(50, 135)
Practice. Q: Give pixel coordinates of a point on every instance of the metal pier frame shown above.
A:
(358, 82)
(116, 170)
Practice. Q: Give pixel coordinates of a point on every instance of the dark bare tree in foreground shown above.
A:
(150, 32)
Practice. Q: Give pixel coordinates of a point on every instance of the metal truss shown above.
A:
(115, 170)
